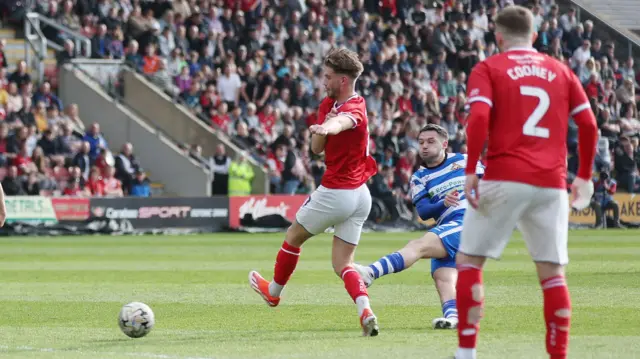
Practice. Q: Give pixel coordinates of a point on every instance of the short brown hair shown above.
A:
(344, 61)
(515, 21)
(441, 131)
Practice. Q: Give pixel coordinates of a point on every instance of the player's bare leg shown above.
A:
(286, 262)
(557, 308)
(445, 280)
(470, 301)
(342, 260)
(429, 246)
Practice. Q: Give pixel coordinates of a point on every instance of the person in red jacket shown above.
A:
(593, 88)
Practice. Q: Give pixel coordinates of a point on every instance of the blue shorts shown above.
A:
(449, 233)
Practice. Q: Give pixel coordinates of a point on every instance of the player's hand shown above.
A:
(471, 190)
(318, 130)
(581, 191)
(451, 200)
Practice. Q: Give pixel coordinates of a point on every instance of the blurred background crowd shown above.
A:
(252, 70)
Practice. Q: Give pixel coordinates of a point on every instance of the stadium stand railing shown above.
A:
(120, 124)
(34, 36)
(168, 114)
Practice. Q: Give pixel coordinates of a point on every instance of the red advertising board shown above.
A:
(260, 206)
(71, 209)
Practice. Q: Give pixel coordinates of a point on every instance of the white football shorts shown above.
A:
(345, 209)
(541, 214)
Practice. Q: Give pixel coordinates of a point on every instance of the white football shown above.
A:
(136, 319)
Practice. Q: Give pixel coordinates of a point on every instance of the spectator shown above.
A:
(140, 186)
(47, 97)
(380, 189)
(21, 77)
(112, 185)
(49, 144)
(290, 177)
(74, 188)
(626, 166)
(126, 165)
(23, 161)
(242, 138)
(72, 117)
(32, 185)
(95, 184)
(116, 44)
(625, 94)
(603, 200)
(603, 156)
(220, 118)
(629, 124)
(4, 144)
(100, 43)
(229, 85)
(132, 58)
(151, 61)
(220, 167)
(628, 72)
(67, 53)
(581, 55)
(240, 176)
(3, 58)
(11, 183)
(82, 159)
(96, 141)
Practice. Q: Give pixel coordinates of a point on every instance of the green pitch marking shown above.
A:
(60, 297)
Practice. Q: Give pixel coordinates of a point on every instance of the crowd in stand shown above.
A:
(44, 149)
(252, 70)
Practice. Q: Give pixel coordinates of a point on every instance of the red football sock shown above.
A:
(469, 299)
(353, 283)
(557, 314)
(286, 262)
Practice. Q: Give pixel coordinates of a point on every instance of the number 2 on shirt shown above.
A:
(531, 127)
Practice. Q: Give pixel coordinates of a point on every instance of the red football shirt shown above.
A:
(531, 96)
(267, 121)
(20, 161)
(347, 158)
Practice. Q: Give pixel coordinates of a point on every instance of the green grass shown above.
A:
(59, 298)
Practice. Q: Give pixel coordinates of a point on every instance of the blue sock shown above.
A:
(449, 309)
(391, 263)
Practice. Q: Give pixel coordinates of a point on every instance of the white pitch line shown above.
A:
(23, 348)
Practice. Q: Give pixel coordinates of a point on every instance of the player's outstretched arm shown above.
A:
(332, 126)
(337, 124)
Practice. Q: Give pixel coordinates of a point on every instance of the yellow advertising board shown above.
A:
(629, 210)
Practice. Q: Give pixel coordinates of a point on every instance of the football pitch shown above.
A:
(60, 296)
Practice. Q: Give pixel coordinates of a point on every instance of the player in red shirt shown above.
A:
(521, 102)
(342, 200)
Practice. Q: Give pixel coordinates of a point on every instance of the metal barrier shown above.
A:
(35, 39)
(38, 42)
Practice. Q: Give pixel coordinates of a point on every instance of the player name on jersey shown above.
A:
(519, 72)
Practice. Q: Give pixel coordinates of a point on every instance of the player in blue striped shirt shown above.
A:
(437, 191)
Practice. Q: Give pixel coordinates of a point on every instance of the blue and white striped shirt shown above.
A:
(433, 184)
